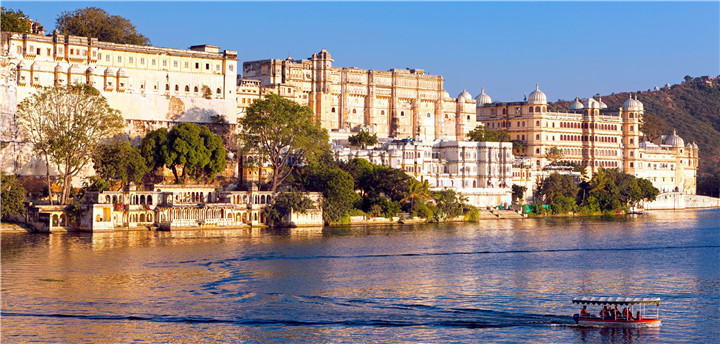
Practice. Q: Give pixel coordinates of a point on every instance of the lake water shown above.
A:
(493, 281)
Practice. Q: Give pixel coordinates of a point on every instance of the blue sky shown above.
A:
(569, 48)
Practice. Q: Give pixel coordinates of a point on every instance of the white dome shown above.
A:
(482, 98)
(591, 103)
(695, 145)
(674, 140)
(537, 97)
(58, 68)
(75, 69)
(121, 73)
(445, 95)
(601, 104)
(465, 96)
(576, 105)
(22, 65)
(109, 72)
(632, 105)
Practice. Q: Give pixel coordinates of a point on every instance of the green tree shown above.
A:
(66, 124)
(197, 150)
(392, 183)
(653, 127)
(95, 22)
(363, 138)
(417, 194)
(120, 161)
(482, 133)
(518, 193)
(282, 133)
(687, 78)
(518, 147)
(556, 185)
(12, 196)
(155, 148)
(14, 21)
(448, 204)
(284, 203)
(554, 154)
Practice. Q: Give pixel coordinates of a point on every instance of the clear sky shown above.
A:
(569, 48)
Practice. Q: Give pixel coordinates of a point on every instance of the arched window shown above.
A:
(187, 88)
(142, 217)
(149, 199)
(142, 199)
(382, 112)
(354, 111)
(218, 90)
(177, 88)
(402, 113)
(332, 110)
(107, 198)
(195, 89)
(262, 199)
(167, 87)
(537, 109)
(531, 109)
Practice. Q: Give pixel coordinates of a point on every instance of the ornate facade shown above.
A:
(593, 135)
(152, 87)
(399, 103)
(480, 171)
(168, 207)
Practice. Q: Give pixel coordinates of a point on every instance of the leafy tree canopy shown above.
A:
(284, 203)
(14, 21)
(653, 127)
(283, 134)
(155, 148)
(95, 22)
(363, 138)
(65, 124)
(13, 196)
(120, 161)
(554, 154)
(556, 185)
(482, 133)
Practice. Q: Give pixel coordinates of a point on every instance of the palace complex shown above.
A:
(424, 128)
(592, 135)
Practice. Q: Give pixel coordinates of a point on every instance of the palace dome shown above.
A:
(445, 95)
(591, 103)
(482, 98)
(537, 96)
(75, 69)
(695, 145)
(674, 140)
(632, 104)
(58, 68)
(465, 96)
(602, 105)
(121, 73)
(109, 72)
(576, 105)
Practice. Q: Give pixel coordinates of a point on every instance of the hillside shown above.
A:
(692, 108)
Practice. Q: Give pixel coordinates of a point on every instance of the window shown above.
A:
(48, 52)
(231, 67)
(218, 90)
(195, 89)
(207, 66)
(537, 137)
(332, 110)
(217, 67)
(167, 87)
(354, 111)
(402, 113)
(119, 59)
(72, 52)
(537, 123)
(175, 64)
(428, 115)
(632, 128)
(197, 65)
(187, 88)
(152, 62)
(177, 88)
(187, 64)
(164, 63)
(142, 60)
(107, 58)
(131, 59)
(537, 150)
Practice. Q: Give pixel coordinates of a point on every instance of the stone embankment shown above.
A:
(678, 200)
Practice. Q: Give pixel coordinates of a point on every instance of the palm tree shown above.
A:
(417, 190)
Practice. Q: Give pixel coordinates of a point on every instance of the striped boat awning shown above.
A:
(608, 300)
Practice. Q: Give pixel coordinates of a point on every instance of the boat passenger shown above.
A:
(584, 312)
(604, 313)
(639, 316)
(616, 313)
(625, 313)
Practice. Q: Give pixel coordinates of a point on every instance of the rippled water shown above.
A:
(504, 280)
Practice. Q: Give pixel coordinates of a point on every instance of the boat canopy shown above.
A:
(605, 300)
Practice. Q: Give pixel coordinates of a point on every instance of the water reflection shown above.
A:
(504, 280)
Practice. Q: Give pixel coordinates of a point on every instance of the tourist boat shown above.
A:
(637, 308)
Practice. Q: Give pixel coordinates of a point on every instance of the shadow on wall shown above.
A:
(196, 114)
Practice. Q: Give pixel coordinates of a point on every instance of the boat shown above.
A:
(639, 309)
